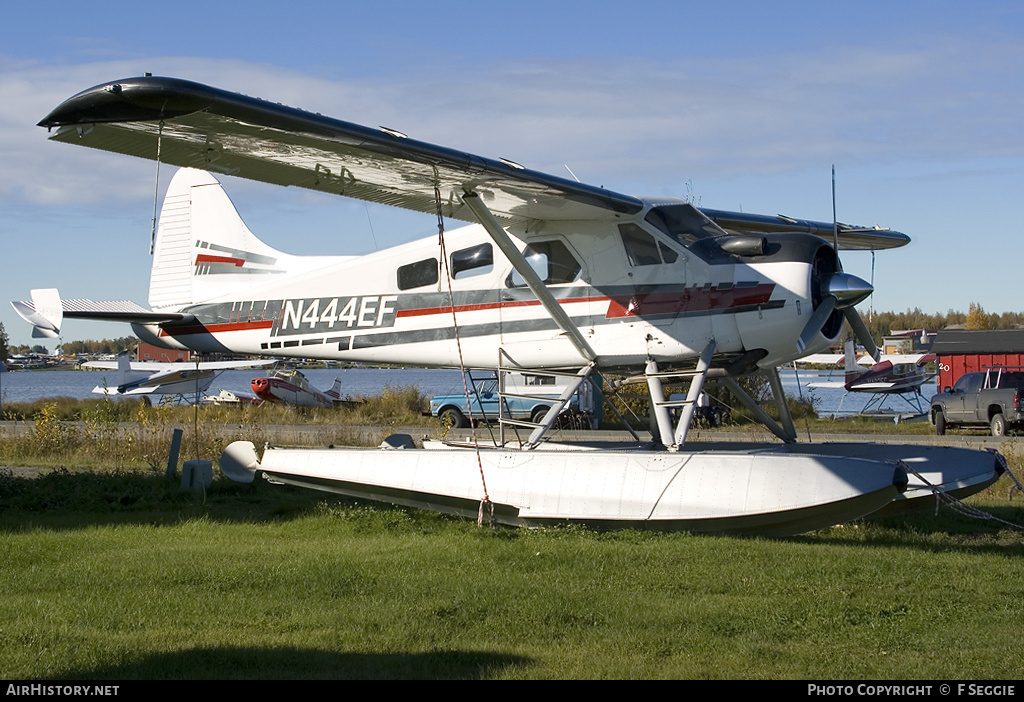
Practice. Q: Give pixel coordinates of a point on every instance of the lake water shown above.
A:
(28, 386)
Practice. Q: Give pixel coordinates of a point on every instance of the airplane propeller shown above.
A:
(837, 290)
(841, 291)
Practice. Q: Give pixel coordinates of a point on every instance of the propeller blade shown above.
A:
(860, 330)
(816, 322)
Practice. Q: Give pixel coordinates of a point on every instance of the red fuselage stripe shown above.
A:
(688, 300)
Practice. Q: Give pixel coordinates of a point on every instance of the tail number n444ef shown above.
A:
(329, 313)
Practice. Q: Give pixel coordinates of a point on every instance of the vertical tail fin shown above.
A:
(335, 392)
(203, 248)
(124, 368)
(204, 251)
(853, 371)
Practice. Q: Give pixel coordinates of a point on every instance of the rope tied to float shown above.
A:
(1004, 464)
(444, 268)
(961, 507)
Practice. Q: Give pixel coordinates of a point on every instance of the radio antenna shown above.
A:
(835, 224)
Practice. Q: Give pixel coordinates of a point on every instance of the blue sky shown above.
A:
(743, 105)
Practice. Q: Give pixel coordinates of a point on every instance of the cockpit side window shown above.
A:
(551, 260)
(642, 248)
(475, 260)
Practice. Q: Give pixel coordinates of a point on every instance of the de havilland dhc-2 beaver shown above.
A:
(550, 276)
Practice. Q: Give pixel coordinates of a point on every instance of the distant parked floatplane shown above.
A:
(900, 376)
(553, 277)
(292, 388)
(149, 378)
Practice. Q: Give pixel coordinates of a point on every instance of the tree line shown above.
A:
(884, 323)
(104, 346)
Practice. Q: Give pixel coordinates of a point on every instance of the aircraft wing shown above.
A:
(866, 360)
(827, 384)
(214, 130)
(904, 358)
(850, 237)
(823, 359)
(158, 367)
(223, 132)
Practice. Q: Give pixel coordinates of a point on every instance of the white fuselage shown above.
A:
(663, 304)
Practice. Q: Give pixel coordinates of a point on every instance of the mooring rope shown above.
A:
(961, 507)
(800, 391)
(444, 268)
(156, 187)
(1006, 469)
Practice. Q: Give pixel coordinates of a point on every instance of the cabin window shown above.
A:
(416, 275)
(643, 249)
(475, 260)
(552, 262)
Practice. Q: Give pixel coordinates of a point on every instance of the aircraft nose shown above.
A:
(848, 289)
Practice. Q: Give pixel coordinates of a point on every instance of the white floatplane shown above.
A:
(154, 378)
(551, 276)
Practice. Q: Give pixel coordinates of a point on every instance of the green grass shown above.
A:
(123, 576)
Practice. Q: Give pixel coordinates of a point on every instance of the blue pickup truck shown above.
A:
(453, 410)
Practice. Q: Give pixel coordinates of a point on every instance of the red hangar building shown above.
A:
(962, 351)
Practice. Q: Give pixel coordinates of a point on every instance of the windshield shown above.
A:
(487, 386)
(684, 223)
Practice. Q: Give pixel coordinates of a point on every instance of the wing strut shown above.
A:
(536, 285)
(787, 430)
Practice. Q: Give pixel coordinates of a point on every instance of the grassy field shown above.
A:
(109, 571)
(120, 575)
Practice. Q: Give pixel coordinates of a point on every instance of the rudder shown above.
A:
(203, 248)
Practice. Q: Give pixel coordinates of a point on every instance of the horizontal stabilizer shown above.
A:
(47, 311)
(43, 313)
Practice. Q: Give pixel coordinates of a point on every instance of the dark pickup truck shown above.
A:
(993, 399)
